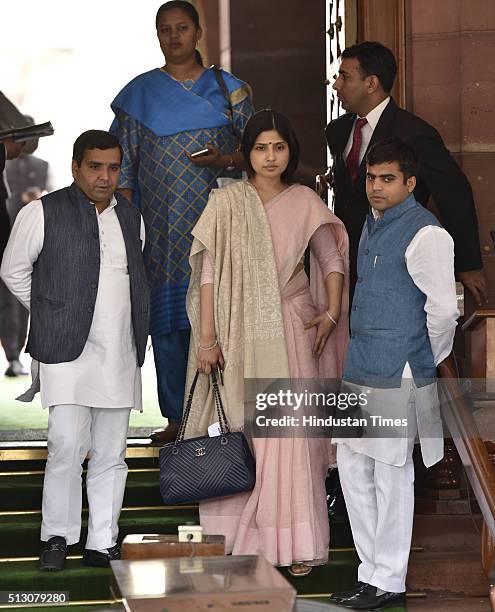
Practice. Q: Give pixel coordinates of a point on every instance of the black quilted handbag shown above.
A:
(206, 467)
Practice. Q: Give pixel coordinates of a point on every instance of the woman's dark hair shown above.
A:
(394, 150)
(374, 58)
(263, 121)
(94, 139)
(190, 11)
(182, 5)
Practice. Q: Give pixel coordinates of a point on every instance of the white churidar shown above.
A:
(380, 503)
(73, 431)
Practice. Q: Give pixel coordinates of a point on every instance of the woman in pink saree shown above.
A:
(254, 312)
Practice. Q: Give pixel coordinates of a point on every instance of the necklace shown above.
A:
(186, 80)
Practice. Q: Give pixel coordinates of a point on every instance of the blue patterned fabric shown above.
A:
(157, 121)
(167, 106)
(171, 352)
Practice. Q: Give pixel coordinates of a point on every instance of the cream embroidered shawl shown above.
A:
(248, 316)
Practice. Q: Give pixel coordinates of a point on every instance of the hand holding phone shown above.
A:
(200, 153)
(208, 157)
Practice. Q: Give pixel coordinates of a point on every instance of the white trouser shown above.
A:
(380, 503)
(73, 432)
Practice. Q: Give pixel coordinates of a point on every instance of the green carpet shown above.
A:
(30, 465)
(119, 607)
(337, 575)
(19, 536)
(20, 533)
(141, 490)
(82, 582)
(87, 608)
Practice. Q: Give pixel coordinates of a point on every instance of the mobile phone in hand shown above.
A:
(200, 153)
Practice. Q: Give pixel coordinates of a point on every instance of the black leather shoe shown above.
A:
(367, 599)
(53, 554)
(95, 558)
(341, 596)
(16, 369)
(335, 497)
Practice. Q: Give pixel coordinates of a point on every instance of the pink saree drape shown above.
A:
(285, 517)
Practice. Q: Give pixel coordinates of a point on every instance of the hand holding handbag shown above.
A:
(206, 467)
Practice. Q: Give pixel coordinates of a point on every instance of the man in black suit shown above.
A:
(10, 116)
(366, 76)
(28, 178)
(8, 150)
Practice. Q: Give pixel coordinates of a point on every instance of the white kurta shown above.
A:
(430, 263)
(106, 374)
(377, 474)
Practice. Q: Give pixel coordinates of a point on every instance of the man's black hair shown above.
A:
(394, 150)
(264, 121)
(94, 139)
(374, 59)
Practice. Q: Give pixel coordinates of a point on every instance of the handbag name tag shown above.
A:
(214, 430)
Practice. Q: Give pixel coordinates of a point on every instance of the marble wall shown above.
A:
(451, 84)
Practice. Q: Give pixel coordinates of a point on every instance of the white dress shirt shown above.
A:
(106, 374)
(367, 130)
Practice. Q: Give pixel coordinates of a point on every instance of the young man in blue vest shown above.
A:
(74, 259)
(403, 321)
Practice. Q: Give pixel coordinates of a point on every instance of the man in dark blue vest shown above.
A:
(403, 321)
(74, 259)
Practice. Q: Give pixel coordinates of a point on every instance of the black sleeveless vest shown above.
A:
(66, 274)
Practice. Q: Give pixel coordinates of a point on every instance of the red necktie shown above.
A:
(352, 160)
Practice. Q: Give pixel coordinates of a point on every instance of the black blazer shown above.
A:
(4, 217)
(439, 176)
(24, 172)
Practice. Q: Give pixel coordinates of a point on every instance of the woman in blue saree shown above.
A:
(161, 117)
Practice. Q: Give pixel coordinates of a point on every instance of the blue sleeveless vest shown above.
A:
(388, 321)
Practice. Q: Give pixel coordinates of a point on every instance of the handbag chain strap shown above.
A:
(182, 428)
(222, 419)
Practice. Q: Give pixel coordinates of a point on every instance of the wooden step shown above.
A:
(464, 604)
(449, 573)
(447, 533)
(450, 561)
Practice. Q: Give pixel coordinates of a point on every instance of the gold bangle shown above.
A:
(208, 348)
(330, 317)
